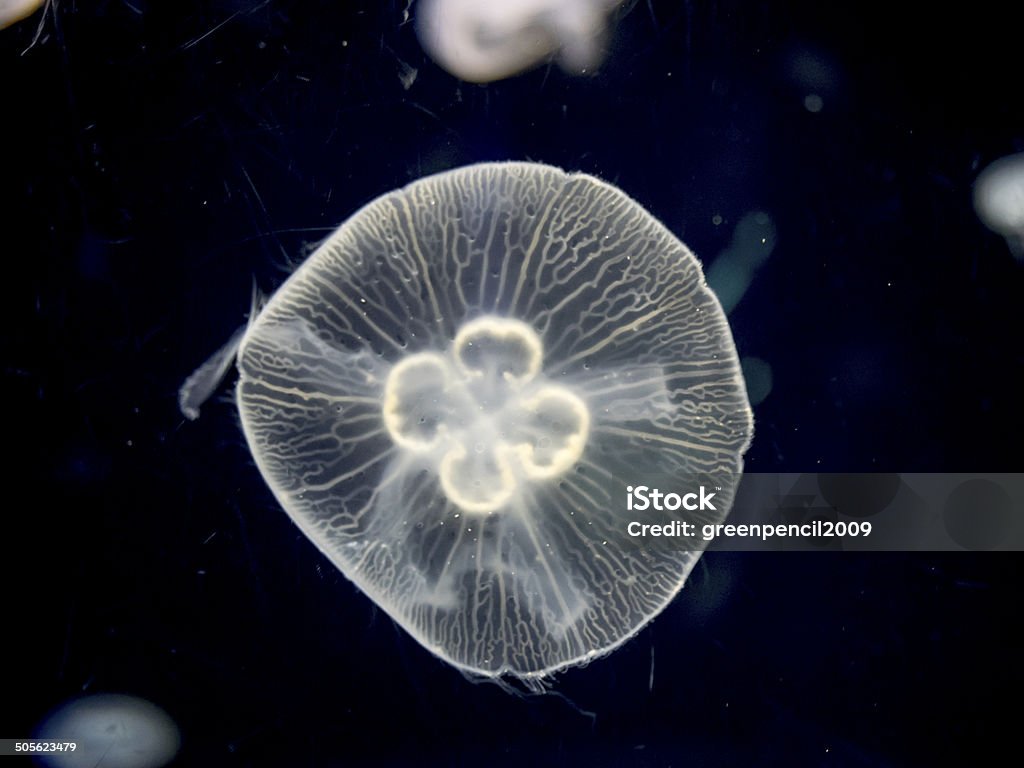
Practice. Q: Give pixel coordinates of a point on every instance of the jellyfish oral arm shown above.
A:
(483, 416)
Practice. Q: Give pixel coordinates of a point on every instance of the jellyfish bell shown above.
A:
(452, 394)
(999, 200)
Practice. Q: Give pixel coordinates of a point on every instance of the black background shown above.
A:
(160, 156)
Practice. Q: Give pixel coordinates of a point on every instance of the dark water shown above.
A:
(161, 155)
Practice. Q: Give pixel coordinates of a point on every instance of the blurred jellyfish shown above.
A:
(758, 375)
(999, 200)
(110, 730)
(730, 275)
(13, 11)
(450, 396)
(813, 103)
(814, 74)
(484, 41)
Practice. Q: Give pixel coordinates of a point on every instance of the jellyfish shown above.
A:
(112, 730)
(999, 200)
(13, 11)
(453, 394)
(480, 42)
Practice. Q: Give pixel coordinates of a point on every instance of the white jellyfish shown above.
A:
(484, 41)
(999, 200)
(111, 730)
(451, 396)
(13, 11)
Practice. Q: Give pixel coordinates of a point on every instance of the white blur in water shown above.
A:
(112, 731)
(13, 11)
(484, 41)
(999, 200)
